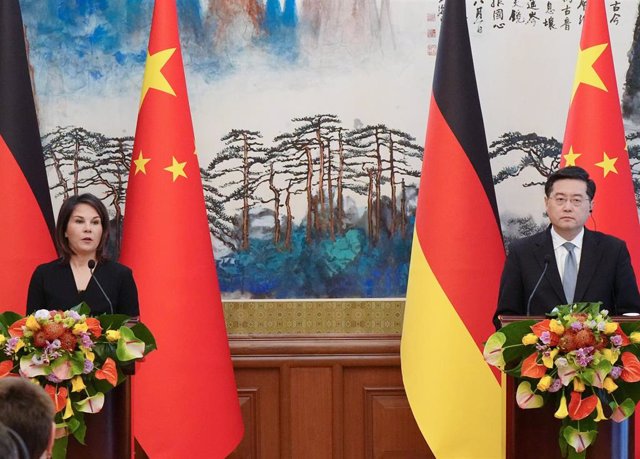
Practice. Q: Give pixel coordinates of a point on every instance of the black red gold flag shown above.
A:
(26, 216)
(456, 262)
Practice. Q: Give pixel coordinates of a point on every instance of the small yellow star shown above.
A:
(153, 77)
(608, 164)
(570, 158)
(140, 163)
(177, 169)
(585, 73)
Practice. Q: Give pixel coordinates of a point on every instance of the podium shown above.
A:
(109, 431)
(534, 433)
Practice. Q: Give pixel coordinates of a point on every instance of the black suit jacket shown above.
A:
(605, 274)
(52, 286)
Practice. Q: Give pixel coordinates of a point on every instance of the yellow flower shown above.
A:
(609, 385)
(600, 414)
(548, 361)
(635, 337)
(3, 339)
(610, 355)
(610, 327)
(88, 354)
(529, 339)
(556, 327)
(19, 345)
(77, 384)
(578, 385)
(32, 323)
(544, 383)
(113, 335)
(80, 328)
(562, 411)
(68, 412)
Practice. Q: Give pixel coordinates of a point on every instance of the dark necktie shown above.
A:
(570, 275)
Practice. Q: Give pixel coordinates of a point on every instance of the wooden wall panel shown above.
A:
(324, 396)
(311, 413)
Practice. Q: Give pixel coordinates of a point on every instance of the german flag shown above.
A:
(456, 262)
(26, 216)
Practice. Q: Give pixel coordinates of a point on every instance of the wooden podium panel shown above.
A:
(324, 396)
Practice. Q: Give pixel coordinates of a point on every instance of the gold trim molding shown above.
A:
(313, 317)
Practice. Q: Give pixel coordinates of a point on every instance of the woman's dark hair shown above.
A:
(64, 215)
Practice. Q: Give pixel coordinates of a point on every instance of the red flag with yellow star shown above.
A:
(185, 399)
(594, 138)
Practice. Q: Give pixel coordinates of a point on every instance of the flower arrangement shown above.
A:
(76, 358)
(580, 360)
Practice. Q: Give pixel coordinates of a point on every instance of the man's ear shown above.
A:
(52, 438)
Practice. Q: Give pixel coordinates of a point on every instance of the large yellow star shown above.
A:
(585, 73)
(140, 163)
(177, 169)
(570, 158)
(607, 164)
(153, 77)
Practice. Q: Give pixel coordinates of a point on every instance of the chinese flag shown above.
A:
(26, 217)
(595, 140)
(184, 396)
(456, 262)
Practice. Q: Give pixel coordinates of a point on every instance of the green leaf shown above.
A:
(8, 318)
(578, 440)
(142, 332)
(82, 308)
(129, 346)
(112, 321)
(493, 350)
(60, 448)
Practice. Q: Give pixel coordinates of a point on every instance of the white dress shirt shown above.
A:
(561, 252)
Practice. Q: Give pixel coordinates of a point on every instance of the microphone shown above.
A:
(92, 265)
(547, 260)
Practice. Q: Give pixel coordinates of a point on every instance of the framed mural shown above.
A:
(309, 118)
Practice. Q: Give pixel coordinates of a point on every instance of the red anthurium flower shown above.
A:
(544, 326)
(58, 396)
(16, 328)
(630, 367)
(531, 369)
(5, 368)
(94, 326)
(580, 408)
(108, 372)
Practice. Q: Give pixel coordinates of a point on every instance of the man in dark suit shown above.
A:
(571, 263)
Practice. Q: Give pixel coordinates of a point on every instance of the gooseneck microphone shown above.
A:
(547, 260)
(92, 265)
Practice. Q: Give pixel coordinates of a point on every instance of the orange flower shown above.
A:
(545, 326)
(58, 396)
(5, 368)
(630, 367)
(580, 408)
(108, 372)
(16, 328)
(532, 369)
(94, 326)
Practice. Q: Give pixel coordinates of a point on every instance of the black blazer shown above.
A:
(605, 274)
(52, 286)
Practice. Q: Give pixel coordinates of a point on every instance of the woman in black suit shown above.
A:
(81, 234)
(82, 230)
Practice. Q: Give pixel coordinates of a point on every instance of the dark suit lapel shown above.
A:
(544, 246)
(589, 258)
